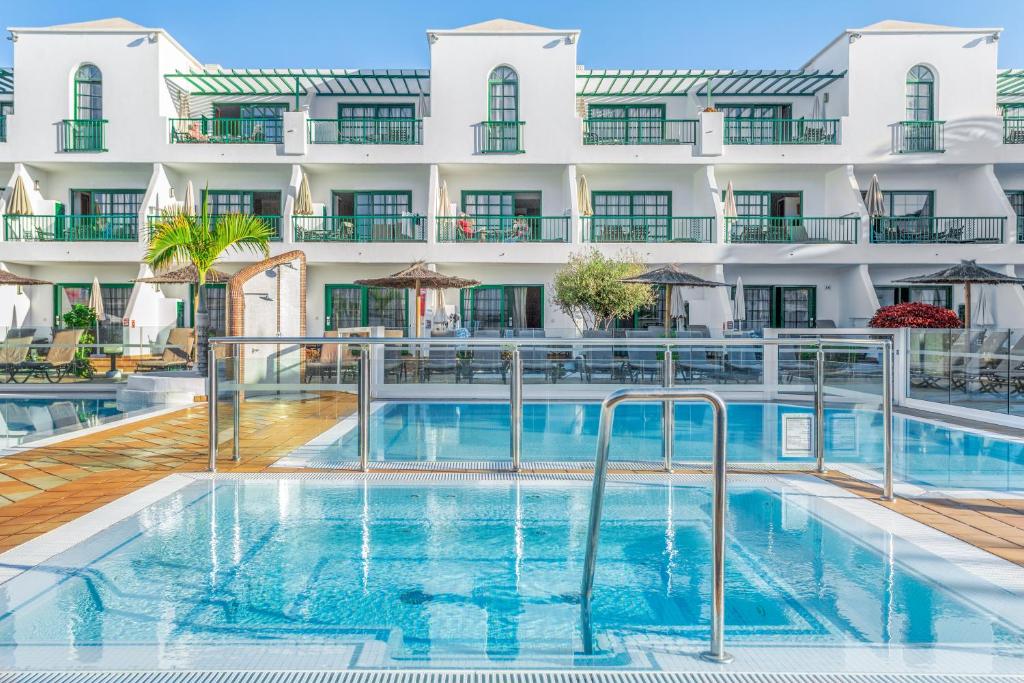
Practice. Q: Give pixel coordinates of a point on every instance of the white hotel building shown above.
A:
(106, 122)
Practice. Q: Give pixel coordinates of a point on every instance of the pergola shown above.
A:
(703, 82)
(1010, 86)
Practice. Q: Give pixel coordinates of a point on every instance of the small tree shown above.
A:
(589, 289)
(915, 315)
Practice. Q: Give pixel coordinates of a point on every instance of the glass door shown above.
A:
(795, 306)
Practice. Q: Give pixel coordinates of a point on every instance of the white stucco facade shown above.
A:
(851, 97)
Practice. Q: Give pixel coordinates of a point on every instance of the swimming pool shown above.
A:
(24, 419)
(351, 572)
(925, 453)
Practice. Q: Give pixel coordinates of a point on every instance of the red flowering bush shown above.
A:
(915, 315)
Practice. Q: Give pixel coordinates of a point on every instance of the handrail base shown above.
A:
(724, 658)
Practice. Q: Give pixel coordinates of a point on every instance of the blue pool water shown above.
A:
(27, 419)
(925, 453)
(344, 573)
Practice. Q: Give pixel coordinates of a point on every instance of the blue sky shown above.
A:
(616, 34)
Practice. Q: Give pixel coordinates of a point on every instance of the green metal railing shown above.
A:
(260, 130)
(758, 131)
(648, 229)
(82, 135)
(119, 227)
(274, 222)
(1020, 228)
(791, 229)
(323, 228)
(3, 129)
(639, 131)
(919, 136)
(501, 137)
(1013, 130)
(365, 131)
(924, 229)
(503, 228)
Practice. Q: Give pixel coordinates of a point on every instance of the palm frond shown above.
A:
(241, 232)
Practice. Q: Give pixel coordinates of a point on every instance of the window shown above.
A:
(88, 93)
(249, 122)
(376, 111)
(106, 202)
(487, 203)
(631, 216)
(376, 207)
(115, 299)
(936, 296)
(265, 203)
(503, 95)
(920, 94)
(216, 307)
(770, 203)
(645, 316)
(1016, 198)
(907, 204)
(771, 306)
(491, 307)
(632, 203)
(372, 203)
(358, 306)
(757, 111)
(626, 124)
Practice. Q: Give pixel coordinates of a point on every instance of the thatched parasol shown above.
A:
(967, 273)
(9, 278)
(417, 277)
(671, 276)
(185, 276)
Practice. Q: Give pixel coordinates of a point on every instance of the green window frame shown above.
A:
(1016, 199)
(920, 95)
(766, 305)
(900, 295)
(88, 93)
(765, 202)
(249, 110)
(645, 316)
(242, 201)
(491, 302)
(502, 202)
(627, 123)
(106, 202)
(761, 110)
(359, 110)
(115, 298)
(901, 203)
(373, 202)
(390, 307)
(503, 94)
(655, 203)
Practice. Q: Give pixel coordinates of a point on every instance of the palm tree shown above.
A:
(180, 238)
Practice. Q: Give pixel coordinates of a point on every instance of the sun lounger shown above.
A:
(13, 353)
(177, 353)
(60, 359)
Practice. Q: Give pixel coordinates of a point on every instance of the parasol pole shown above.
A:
(419, 324)
(668, 310)
(967, 305)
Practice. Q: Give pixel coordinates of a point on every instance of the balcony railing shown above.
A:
(118, 227)
(274, 222)
(757, 131)
(365, 131)
(648, 229)
(502, 228)
(501, 137)
(408, 228)
(82, 135)
(1020, 229)
(919, 136)
(3, 129)
(791, 229)
(925, 229)
(268, 129)
(1013, 130)
(639, 131)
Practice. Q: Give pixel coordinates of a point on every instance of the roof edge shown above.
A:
(895, 31)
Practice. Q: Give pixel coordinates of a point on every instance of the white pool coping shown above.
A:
(994, 585)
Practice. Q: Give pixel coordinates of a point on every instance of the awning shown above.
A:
(6, 82)
(1010, 86)
(683, 82)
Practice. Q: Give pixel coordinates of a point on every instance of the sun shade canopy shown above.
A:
(295, 82)
(967, 272)
(9, 278)
(672, 275)
(417, 275)
(1010, 85)
(682, 82)
(6, 82)
(185, 276)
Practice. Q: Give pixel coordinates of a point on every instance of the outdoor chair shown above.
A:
(326, 366)
(13, 353)
(991, 350)
(60, 358)
(744, 365)
(601, 361)
(642, 362)
(177, 353)
(534, 360)
(441, 361)
(485, 360)
(825, 324)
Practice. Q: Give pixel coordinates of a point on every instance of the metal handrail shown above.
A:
(668, 396)
(563, 341)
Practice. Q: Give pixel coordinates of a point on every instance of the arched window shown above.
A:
(503, 95)
(920, 94)
(88, 93)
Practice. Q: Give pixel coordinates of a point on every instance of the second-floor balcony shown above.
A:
(325, 228)
(273, 222)
(259, 130)
(600, 228)
(82, 135)
(933, 229)
(365, 131)
(121, 227)
(639, 131)
(500, 137)
(503, 228)
(763, 131)
(1013, 130)
(1020, 229)
(911, 137)
(3, 128)
(791, 229)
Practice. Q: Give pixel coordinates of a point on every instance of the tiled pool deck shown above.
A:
(42, 488)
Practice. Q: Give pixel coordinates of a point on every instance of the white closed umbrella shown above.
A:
(739, 302)
(583, 196)
(729, 204)
(422, 106)
(874, 202)
(304, 200)
(983, 311)
(440, 315)
(189, 200)
(443, 202)
(96, 299)
(19, 204)
(678, 303)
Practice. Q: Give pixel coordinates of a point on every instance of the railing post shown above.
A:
(668, 415)
(819, 408)
(363, 402)
(887, 492)
(236, 407)
(211, 401)
(717, 651)
(515, 412)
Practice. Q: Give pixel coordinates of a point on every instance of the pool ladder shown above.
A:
(667, 396)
